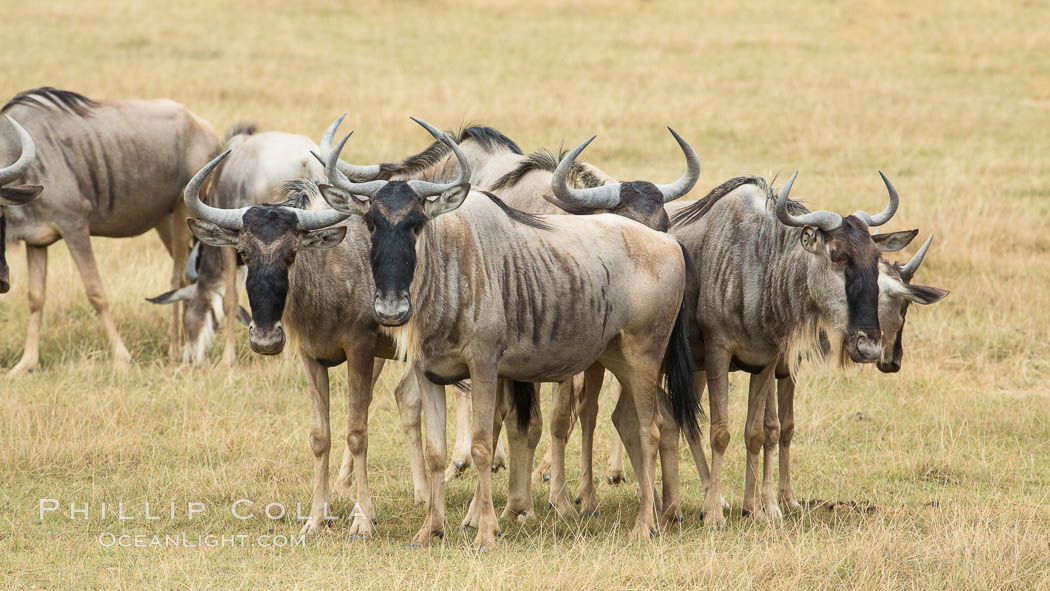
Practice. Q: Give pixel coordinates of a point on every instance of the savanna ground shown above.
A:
(952, 100)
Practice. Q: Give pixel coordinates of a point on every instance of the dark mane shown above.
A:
(517, 215)
(240, 128)
(488, 138)
(700, 207)
(543, 159)
(47, 97)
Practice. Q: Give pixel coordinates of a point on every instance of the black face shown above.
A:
(643, 202)
(851, 246)
(5, 278)
(267, 246)
(395, 219)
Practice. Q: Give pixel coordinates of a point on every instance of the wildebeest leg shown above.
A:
(180, 251)
(503, 404)
(696, 444)
(523, 444)
(79, 244)
(671, 507)
(229, 304)
(716, 363)
(543, 471)
(560, 423)
(433, 397)
(36, 265)
(346, 467)
(461, 449)
(409, 406)
(483, 397)
(591, 388)
(754, 435)
(359, 364)
(771, 426)
(625, 420)
(320, 440)
(640, 387)
(786, 410)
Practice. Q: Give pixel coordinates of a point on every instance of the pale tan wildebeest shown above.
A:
(113, 168)
(256, 172)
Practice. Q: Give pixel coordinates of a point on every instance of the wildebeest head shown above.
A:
(844, 248)
(16, 195)
(641, 201)
(203, 312)
(395, 213)
(896, 292)
(267, 237)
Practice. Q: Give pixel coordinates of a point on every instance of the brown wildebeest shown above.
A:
(257, 171)
(113, 168)
(14, 195)
(461, 293)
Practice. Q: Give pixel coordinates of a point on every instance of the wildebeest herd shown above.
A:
(484, 268)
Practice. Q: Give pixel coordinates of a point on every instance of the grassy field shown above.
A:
(952, 100)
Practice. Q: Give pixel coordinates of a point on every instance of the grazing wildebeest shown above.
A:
(16, 194)
(458, 283)
(258, 169)
(112, 168)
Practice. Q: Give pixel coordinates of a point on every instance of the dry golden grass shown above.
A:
(951, 100)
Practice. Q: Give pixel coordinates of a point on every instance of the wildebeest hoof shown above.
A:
(616, 478)
(546, 477)
(576, 500)
(359, 538)
(460, 465)
(415, 545)
(590, 514)
(745, 513)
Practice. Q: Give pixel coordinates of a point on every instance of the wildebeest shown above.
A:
(14, 195)
(257, 170)
(112, 168)
(458, 282)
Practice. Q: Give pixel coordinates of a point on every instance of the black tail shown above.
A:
(523, 396)
(679, 371)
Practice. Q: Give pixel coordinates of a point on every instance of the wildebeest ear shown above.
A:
(447, 201)
(244, 316)
(811, 239)
(19, 195)
(209, 233)
(326, 238)
(345, 202)
(894, 241)
(175, 295)
(921, 294)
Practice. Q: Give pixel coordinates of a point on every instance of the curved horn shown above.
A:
(427, 189)
(339, 180)
(908, 269)
(605, 196)
(692, 171)
(825, 220)
(884, 216)
(226, 218)
(17, 169)
(351, 170)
